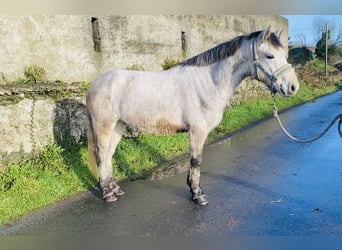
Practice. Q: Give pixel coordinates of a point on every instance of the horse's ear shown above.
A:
(265, 34)
(279, 32)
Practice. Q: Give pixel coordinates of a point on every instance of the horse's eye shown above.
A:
(270, 56)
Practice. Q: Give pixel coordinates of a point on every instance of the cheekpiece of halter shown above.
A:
(272, 77)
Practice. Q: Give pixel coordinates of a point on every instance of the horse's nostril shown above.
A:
(293, 88)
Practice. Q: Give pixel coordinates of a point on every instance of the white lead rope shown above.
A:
(339, 128)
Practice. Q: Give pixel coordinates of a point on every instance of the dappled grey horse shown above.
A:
(189, 97)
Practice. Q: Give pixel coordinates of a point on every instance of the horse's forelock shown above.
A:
(274, 40)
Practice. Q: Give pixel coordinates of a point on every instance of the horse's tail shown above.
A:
(92, 165)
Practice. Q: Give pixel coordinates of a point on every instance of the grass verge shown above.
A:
(57, 173)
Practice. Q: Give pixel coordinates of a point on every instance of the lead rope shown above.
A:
(339, 128)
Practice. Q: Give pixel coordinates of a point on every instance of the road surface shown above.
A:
(258, 183)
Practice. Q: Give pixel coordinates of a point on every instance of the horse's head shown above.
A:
(270, 64)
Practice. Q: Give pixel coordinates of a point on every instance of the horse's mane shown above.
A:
(225, 50)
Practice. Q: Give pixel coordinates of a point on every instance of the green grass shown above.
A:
(39, 180)
(56, 173)
(319, 66)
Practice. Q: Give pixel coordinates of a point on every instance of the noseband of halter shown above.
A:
(271, 77)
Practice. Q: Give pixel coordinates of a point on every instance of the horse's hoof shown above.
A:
(118, 191)
(201, 200)
(110, 197)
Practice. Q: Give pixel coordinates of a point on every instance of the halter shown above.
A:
(272, 77)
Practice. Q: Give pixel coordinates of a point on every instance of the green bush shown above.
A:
(300, 55)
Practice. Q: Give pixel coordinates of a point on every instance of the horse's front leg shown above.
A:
(196, 140)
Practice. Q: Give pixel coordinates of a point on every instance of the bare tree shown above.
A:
(318, 26)
(301, 37)
(338, 36)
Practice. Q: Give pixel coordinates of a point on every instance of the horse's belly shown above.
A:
(161, 126)
(164, 126)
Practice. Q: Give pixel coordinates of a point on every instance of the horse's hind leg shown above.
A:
(115, 139)
(196, 140)
(108, 135)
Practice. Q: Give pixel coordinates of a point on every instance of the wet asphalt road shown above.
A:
(258, 183)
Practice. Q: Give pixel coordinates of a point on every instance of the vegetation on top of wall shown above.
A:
(33, 74)
(136, 67)
(35, 84)
(12, 93)
(169, 63)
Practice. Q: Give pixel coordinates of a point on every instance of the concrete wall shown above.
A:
(64, 46)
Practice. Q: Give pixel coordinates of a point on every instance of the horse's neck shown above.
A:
(230, 73)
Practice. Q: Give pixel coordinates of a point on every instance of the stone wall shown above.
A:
(37, 115)
(34, 116)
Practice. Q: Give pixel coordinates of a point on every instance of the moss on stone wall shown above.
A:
(13, 93)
